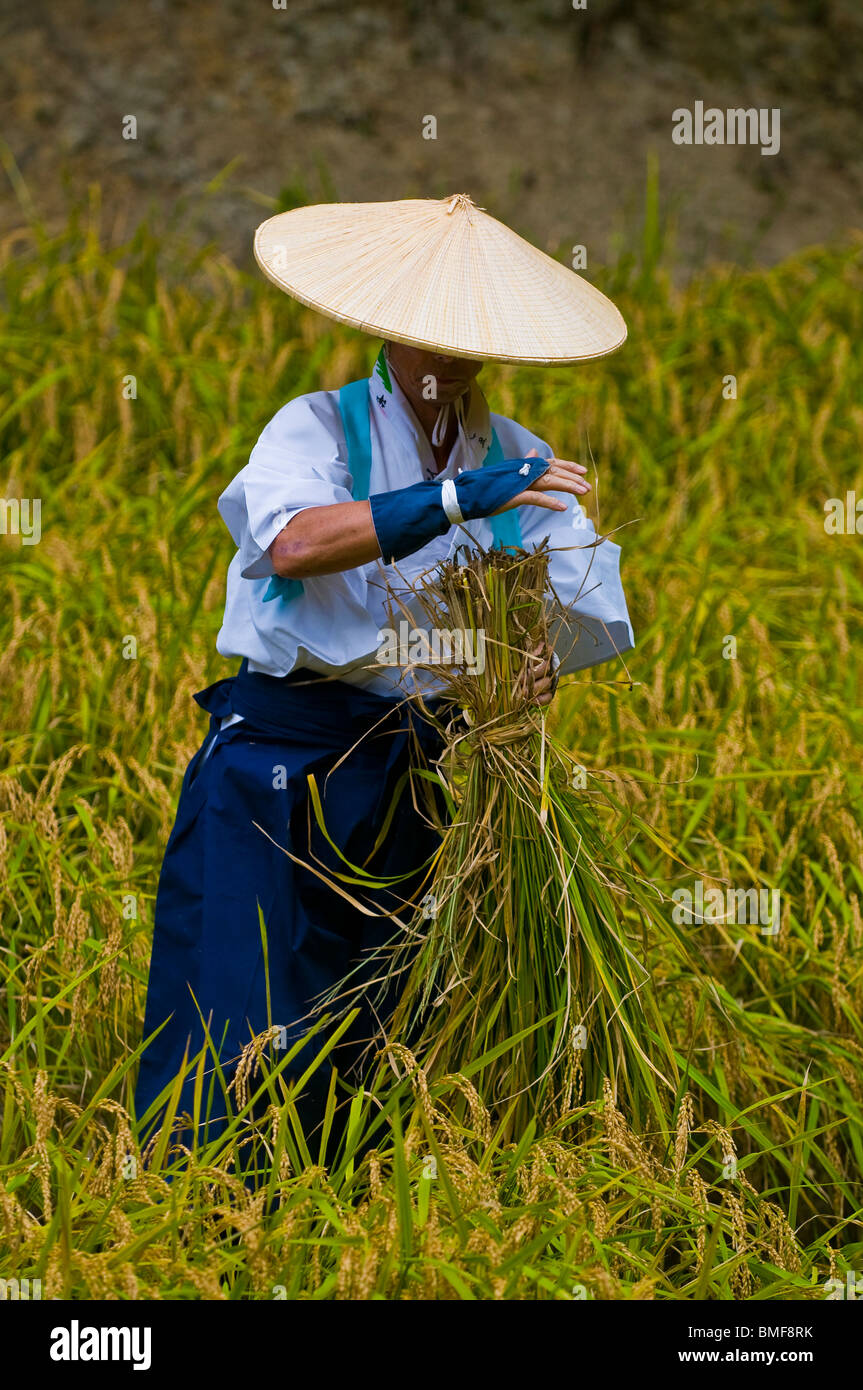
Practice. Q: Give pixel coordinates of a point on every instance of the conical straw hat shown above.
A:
(440, 275)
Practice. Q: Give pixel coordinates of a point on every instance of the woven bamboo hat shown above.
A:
(438, 274)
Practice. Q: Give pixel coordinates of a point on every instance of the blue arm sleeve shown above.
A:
(408, 518)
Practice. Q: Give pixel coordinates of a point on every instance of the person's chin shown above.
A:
(448, 391)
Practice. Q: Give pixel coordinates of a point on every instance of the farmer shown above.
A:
(347, 498)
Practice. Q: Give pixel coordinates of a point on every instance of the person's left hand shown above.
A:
(537, 680)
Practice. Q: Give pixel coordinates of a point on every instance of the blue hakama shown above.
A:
(219, 869)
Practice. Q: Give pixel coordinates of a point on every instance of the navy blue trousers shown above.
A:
(244, 797)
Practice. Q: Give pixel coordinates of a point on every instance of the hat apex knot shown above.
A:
(463, 202)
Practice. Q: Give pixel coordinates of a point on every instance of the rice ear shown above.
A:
(538, 915)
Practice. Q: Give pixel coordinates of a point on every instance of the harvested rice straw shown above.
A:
(521, 968)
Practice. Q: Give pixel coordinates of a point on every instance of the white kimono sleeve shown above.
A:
(591, 622)
(321, 623)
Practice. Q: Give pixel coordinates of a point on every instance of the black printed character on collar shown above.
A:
(381, 400)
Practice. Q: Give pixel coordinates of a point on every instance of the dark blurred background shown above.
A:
(545, 114)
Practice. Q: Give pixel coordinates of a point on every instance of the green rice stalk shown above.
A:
(538, 919)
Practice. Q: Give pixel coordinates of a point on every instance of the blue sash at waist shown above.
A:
(310, 706)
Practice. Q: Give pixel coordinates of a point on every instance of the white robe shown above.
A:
(334, 626)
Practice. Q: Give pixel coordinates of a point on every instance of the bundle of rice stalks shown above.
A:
(523, 967)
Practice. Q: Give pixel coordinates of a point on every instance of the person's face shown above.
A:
(431, 375)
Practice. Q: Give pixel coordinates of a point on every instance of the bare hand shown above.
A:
(562, 476)
(537, 681)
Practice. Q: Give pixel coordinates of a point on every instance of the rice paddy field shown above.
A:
(133, 382)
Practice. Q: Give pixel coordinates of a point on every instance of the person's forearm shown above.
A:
(390, 525)
(325, 540)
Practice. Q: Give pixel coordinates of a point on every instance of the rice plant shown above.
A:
(528, 945)
(133, 379)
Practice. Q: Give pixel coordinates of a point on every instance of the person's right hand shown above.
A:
(562, 476)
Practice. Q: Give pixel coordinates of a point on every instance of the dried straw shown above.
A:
(524, 968)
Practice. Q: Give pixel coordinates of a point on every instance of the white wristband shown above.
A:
(449, 501)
